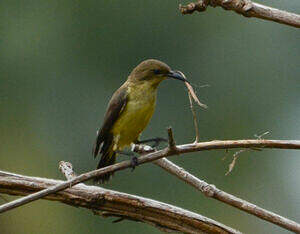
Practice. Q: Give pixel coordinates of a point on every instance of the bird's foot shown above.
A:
(134, 162)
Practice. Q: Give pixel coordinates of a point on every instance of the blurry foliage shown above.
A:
(60, 61)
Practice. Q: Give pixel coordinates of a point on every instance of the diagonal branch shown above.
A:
(246, 8)
(211, 191)
(106, 203)
(181, 149)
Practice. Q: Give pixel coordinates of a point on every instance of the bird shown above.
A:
(129, 111)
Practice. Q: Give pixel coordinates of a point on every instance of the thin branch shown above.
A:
(106, 203)
(181, 149)
(211, 191)
(246, 8)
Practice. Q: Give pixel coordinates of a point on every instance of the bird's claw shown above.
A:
(134, 162)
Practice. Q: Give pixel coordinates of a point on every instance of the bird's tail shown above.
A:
(108, 158)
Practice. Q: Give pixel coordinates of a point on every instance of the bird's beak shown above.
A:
(177, 75)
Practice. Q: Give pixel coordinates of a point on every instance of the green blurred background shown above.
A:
(60, 62)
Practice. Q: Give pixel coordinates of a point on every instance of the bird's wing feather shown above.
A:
(114, 110)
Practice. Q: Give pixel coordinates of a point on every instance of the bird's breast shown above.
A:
(135, 117)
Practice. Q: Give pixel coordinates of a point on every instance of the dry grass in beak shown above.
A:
(193, 96)
(192, 92)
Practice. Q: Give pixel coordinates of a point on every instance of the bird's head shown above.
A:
(153, 72)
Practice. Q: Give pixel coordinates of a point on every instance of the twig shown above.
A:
(261, 135)
(107, 203)
(246, 8)
(236, 154)
(235, 157)
(181, 149)
(194, 119)
(67, 169)
(172, 144)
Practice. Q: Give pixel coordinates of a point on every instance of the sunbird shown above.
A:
(130, 110)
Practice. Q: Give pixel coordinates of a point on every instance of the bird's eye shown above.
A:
(156, 71)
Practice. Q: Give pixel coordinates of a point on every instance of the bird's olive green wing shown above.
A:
(114, 110)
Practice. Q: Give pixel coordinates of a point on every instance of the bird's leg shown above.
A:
(156, 140)
(134, 160)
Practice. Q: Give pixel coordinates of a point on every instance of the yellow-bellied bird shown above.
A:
(130, 110)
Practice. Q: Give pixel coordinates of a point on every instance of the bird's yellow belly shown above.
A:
(132, 121)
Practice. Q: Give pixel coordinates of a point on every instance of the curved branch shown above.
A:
(181, 149)
(246, 8)
(106, 203)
